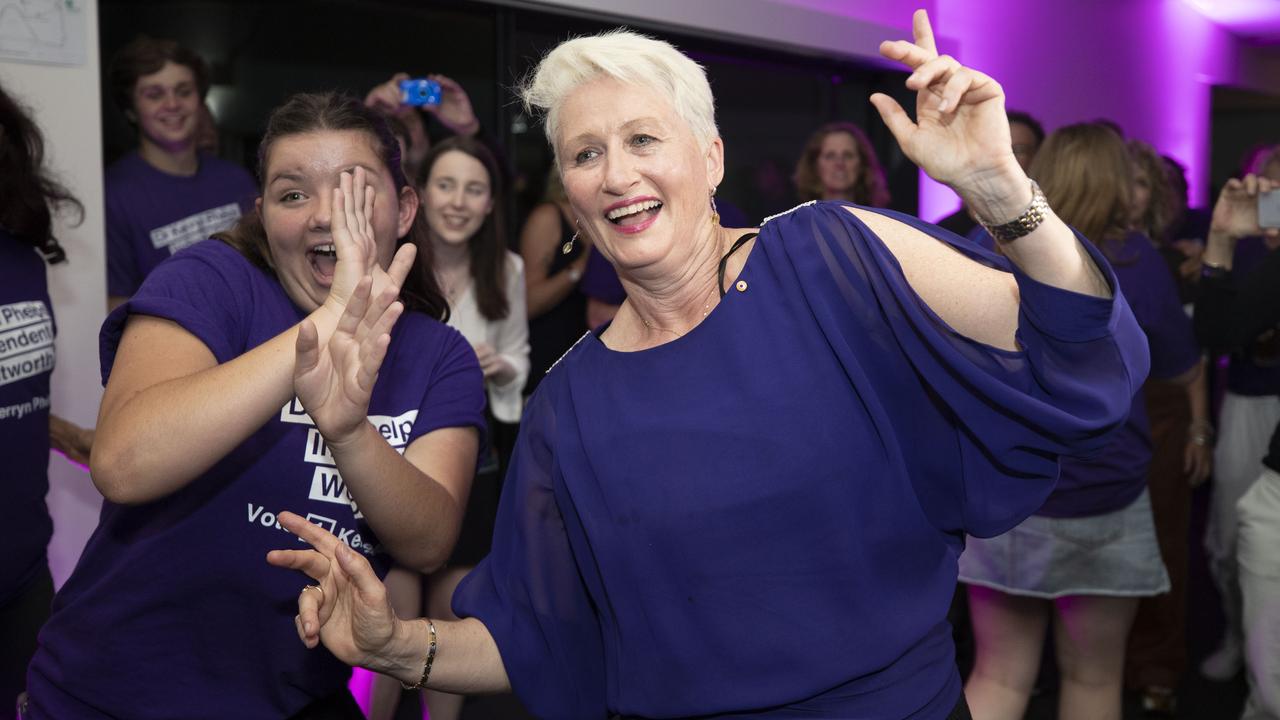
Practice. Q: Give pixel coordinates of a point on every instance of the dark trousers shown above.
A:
(1157, 652)
(20, 621)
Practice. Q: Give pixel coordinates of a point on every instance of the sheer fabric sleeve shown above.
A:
(529, 592)
(979, 429)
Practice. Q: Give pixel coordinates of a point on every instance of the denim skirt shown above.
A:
(1113, 554)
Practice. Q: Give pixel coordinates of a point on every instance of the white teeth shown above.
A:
(325, 249)
(626, 210)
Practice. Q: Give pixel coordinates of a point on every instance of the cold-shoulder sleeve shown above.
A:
(528, 592)
(980, 429)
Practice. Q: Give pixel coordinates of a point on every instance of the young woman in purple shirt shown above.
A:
(298, 361)
(29, 197)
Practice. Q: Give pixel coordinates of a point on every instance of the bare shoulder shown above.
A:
(977, 301)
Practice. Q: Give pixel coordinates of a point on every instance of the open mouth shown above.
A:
(635, 214)
(323, 260)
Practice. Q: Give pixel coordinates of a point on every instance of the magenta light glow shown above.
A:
(1149, 65)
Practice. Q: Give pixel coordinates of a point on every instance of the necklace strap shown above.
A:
(724, 260)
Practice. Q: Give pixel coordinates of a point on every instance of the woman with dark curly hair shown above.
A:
(838, 163)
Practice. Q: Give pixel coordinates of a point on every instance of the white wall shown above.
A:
(65, 102)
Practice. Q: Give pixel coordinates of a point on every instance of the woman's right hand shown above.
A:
(1236, 212)
(351, 227)
(350, 613)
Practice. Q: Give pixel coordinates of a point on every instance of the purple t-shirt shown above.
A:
(172, 610)
(1256, 371)
(1117, 475)
(152, 214)
(26, 364)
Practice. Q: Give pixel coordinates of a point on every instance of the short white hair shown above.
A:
(629, 57)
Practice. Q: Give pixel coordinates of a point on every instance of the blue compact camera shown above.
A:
(419, 92)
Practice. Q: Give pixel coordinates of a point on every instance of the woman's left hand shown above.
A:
(454, 110)
(335, 381)
(961, 134)
(493, 365)
(1197, 461)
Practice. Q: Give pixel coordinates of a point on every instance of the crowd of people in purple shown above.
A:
(755, 459)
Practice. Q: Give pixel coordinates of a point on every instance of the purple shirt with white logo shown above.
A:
(26, 364)
(152, 214)
(172, 610)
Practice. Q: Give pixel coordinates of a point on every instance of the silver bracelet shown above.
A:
(1028, 221)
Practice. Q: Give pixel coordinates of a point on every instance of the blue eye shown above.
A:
(585, 156)
(643, 140)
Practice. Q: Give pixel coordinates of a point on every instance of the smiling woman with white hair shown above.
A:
(746, 494)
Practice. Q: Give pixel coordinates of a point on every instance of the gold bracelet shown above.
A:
(426, 663)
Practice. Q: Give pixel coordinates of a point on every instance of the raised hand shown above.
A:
(349, 613)
(961, 134)
(351, 226)
(493, 365)
(454, 110)
(335, 381)
(1236, 212)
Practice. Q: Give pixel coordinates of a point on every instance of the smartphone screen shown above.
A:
(1269, 209)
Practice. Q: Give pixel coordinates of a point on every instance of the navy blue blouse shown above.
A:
(765, 514)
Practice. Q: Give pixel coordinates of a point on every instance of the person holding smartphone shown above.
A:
(1234, 308)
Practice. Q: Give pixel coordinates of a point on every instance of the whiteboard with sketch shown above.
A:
(43, 31)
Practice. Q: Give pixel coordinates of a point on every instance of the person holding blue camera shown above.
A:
(406, 98)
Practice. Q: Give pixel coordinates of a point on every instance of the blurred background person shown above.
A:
(1085, 557)
(462, 193)
(838, 163)
(29, 198)
(556, 305)
(1250, 410)
(167, 194)
(454, 112)
(1181, 457)
(1231, 311)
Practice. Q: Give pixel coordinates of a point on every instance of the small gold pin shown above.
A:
(741, 285)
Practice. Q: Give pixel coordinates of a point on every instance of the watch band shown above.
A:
(1028, 221)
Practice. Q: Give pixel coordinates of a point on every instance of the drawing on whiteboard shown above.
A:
(43, 31)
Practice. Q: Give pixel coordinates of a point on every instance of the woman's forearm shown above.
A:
(548, 291)
(1050, 254)
(152, 442)
(413, 514)
(467, 661)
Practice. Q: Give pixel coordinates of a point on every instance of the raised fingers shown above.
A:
(402, 263)
(922, 31)
(913, 56)
(314, 535)
(353, 314)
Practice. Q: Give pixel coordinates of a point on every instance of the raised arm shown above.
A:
(351, 616)
(539, 244)
(961, 138)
